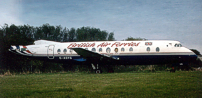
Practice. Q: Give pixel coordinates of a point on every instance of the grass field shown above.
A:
(118, 85)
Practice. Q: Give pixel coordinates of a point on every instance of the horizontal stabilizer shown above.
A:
(39, 42)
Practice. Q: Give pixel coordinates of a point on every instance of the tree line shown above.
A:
(26, 34)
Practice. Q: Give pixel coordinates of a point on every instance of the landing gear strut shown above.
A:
(96, 69)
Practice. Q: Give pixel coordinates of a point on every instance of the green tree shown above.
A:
(72, 35)
(81, 34)
(92, 34)
(111, 37)
(134, 39)
(48, 32)
(18, 35)
(64, 35)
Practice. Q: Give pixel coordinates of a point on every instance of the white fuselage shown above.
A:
(122, 50)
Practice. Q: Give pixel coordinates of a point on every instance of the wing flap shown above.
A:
(91, 55)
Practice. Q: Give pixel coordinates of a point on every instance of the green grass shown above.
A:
(83, 85)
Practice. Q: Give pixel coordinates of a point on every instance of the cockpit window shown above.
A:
(178, 45)
(175, 45)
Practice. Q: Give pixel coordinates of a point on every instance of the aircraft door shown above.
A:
(50, 51)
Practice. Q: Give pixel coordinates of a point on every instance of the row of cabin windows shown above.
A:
(157, 49)
(108, 50)
(65, 50)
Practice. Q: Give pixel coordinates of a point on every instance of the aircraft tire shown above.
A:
(98, 71)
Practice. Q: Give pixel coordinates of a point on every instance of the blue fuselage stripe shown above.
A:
(132, 59)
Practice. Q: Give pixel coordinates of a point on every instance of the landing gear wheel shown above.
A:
(98, 71)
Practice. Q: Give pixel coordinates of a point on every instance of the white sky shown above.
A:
(179, 20)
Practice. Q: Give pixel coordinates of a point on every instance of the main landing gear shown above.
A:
(96, 69)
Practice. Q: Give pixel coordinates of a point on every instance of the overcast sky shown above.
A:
(179, 20)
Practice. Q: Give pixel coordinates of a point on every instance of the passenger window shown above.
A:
(58, 51)
(65, 51)
(71, 51)
(122, 49)
(116, 50)
(108, 50)
(148, 49)
(100, 50)
(157, 49)
(93, 49)
(131, 49)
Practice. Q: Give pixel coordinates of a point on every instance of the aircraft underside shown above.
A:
(125, 60)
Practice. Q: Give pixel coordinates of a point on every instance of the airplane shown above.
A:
(108, 53)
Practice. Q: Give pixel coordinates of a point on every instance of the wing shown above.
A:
(93, 55)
